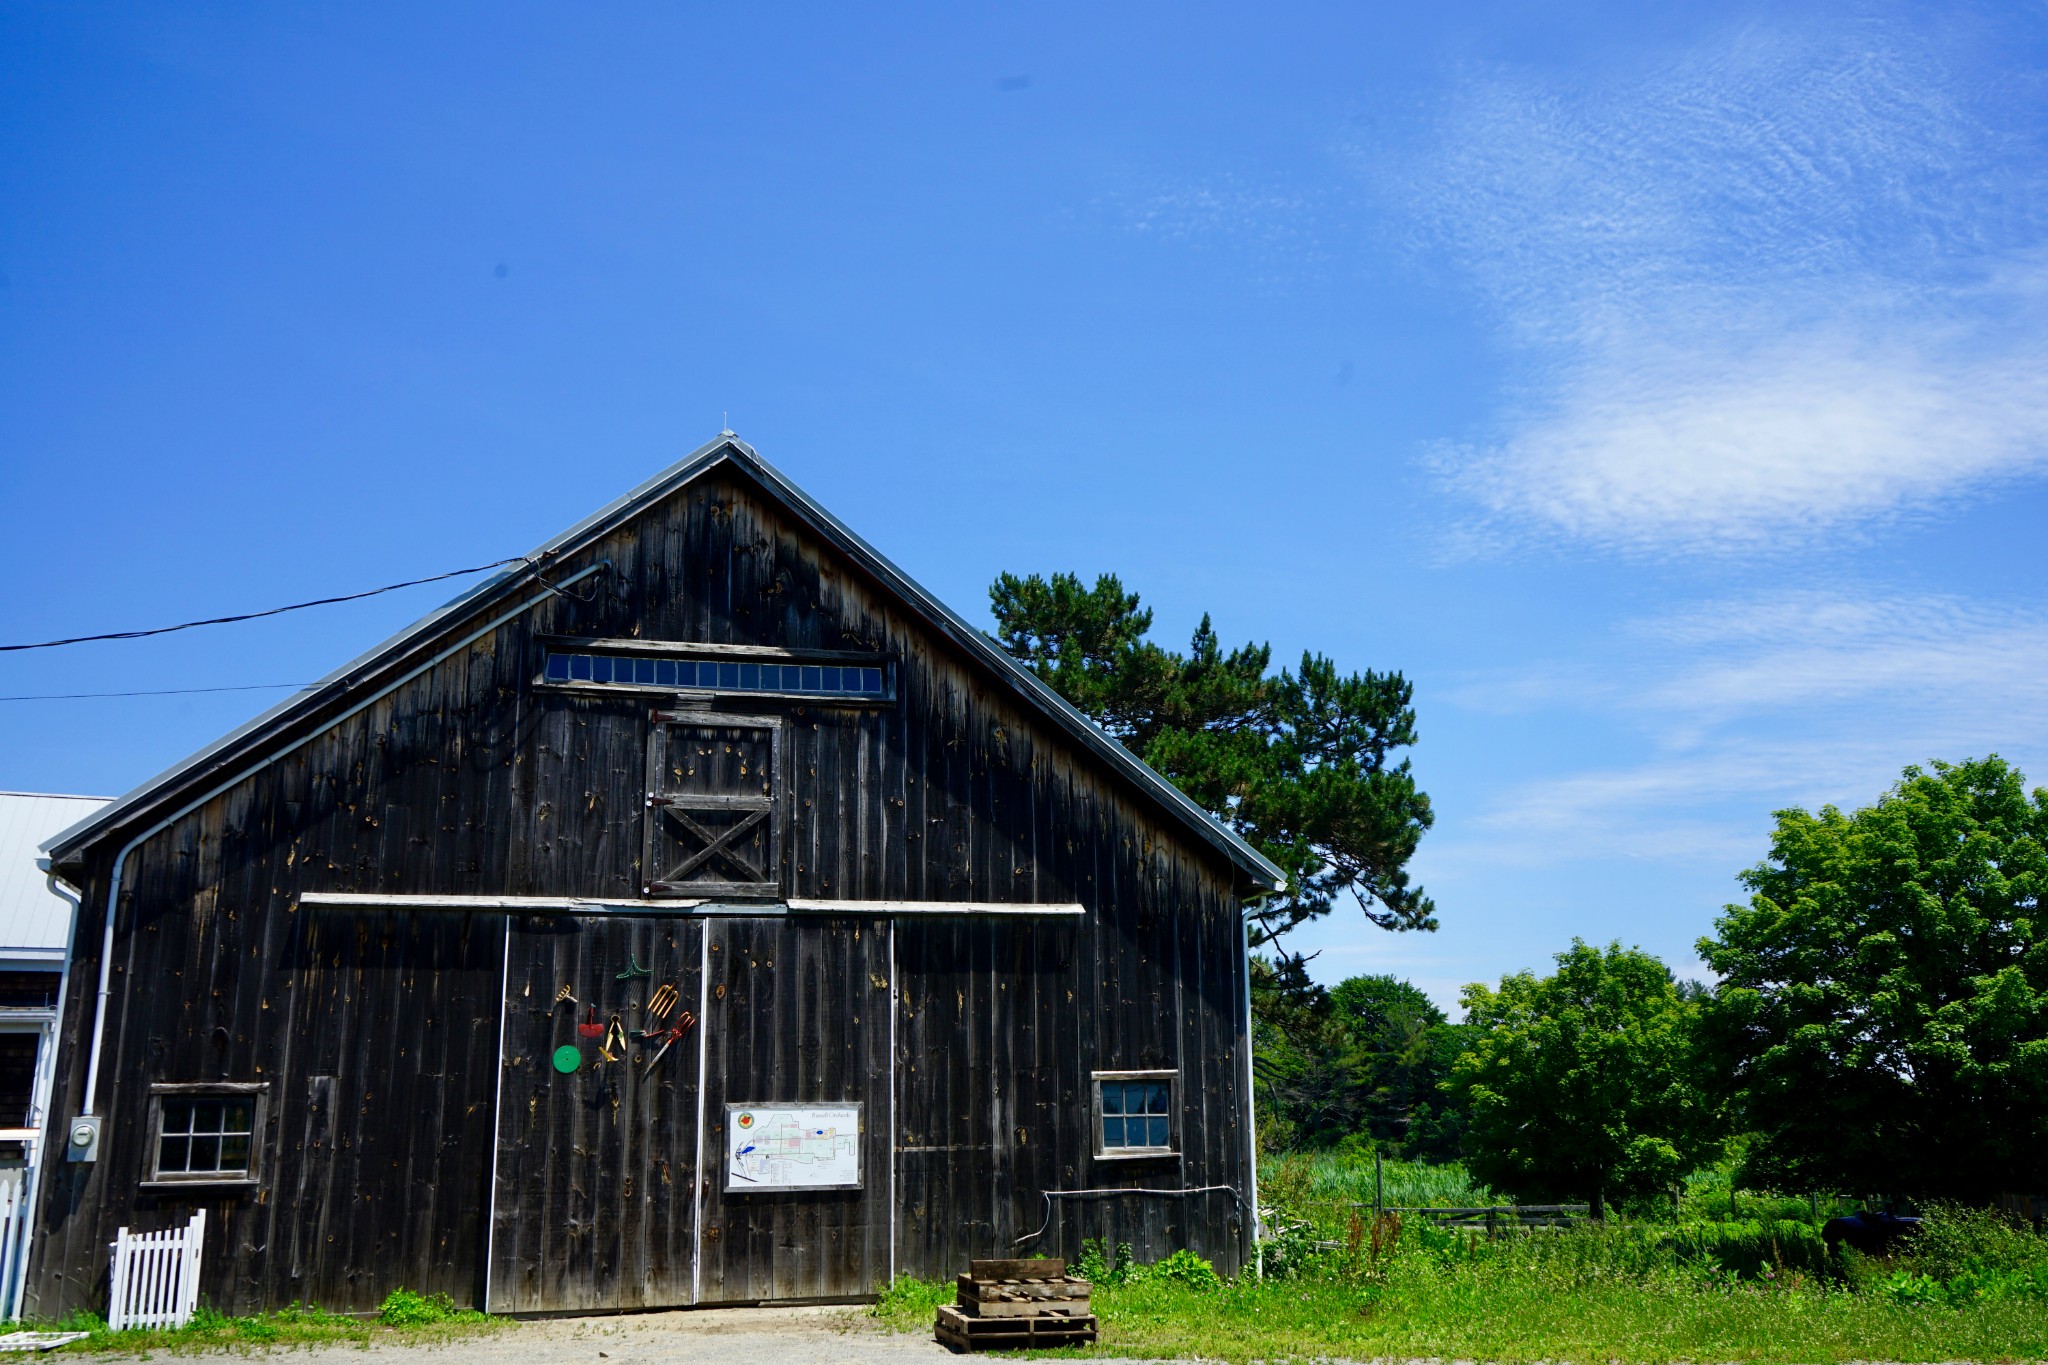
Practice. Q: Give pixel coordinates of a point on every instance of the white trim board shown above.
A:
(591, 905)
(808, 907)
(388, 900)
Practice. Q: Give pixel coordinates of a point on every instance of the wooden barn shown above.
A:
(698, 913)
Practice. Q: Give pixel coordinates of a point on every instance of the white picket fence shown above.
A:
(156, 1276)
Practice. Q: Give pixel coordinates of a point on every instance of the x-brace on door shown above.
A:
(713, 805)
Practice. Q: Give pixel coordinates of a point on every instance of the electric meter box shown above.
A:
(82, 1138)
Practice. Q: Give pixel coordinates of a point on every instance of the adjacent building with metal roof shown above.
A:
(35, 920)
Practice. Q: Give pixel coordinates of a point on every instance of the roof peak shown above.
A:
(347, 680)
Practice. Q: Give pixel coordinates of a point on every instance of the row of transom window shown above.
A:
(720, 675)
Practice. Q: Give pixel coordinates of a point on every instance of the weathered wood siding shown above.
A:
(379, 1033)
(596, 1170)
(800, 1014)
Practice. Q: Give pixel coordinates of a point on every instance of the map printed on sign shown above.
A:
(792, 1146)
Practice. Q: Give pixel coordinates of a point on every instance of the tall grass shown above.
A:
(1763, 1291)
(1470, 1313)
(1296, 1180)
(405, 1318)
(1293, 1178)
(1711, 1194)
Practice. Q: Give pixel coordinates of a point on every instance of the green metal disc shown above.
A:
(568, 1058)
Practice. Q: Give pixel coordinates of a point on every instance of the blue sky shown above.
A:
(1664, 391)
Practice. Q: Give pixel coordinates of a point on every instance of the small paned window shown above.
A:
(205, 1133)
(18, 1053)
(28, 990)
(1134, 1113)
(709, 675)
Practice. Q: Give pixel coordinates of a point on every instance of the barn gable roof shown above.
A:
(345, 682)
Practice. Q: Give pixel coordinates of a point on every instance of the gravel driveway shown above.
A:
(722, 1336)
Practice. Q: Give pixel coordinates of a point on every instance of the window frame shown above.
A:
(1171, 1078)
(704, 652)
(25, 1143)
(661, 724)
(258, 1095)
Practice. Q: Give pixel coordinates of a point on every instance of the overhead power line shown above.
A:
(257, 615)
(164, 692)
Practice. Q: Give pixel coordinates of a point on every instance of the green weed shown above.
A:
(405, 1316)
(1750, 1291)
(404, 1308)
(1189, 1271)
(908, 1303)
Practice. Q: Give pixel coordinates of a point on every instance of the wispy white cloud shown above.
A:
(1705, 437)
(1278, 229)
(1982, 671)
(1746, 705)
(1776, 289)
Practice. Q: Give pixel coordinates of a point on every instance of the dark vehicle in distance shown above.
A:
(1874, 1233)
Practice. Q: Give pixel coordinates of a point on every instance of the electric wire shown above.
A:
(159, 692)
(277, 611)
(1051, 1195)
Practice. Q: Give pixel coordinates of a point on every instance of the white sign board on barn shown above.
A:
(792, 1146)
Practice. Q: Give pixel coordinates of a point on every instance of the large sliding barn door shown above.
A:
(593, 1206)
(796, 1207)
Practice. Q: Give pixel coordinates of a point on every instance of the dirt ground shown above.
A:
(723, 1336)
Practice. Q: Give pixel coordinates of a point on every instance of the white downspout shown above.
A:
(44, 1099)
(1251, 1117)
(99, 1018)
(99, 1009)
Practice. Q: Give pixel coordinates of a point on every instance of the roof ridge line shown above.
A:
(721, 449)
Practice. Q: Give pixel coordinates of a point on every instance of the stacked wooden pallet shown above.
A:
(1015, 1305)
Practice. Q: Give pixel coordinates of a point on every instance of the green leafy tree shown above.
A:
(1399, 1047)
(1882, 1018)
(1303, 1097)
(1362, 1058)
(1583, 1084)
(1300, 762)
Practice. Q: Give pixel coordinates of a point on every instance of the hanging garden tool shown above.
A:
(683, 1024)
(662, 1001)
(633, 968)
(562, 994)
(614, 1037)
(590, 1028)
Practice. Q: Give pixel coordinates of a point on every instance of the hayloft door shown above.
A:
(797, 1108)
(593, 1203)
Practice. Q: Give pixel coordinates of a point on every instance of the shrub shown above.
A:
(1955, 1241)
(1751, 1247)
(404, 1308)
(1289, 1248)
(1185, 1268)
(1096, 1267)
